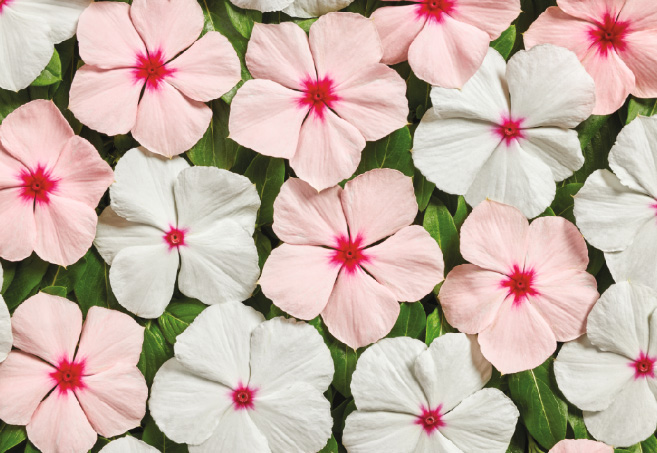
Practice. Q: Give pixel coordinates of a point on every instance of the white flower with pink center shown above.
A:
(508, 134)
(164, 215)
(617, 212)
(295, 8)
(316, 99)
(6, 338)
(609, 373)
(29, 29)
(414, 398)
(239, 383)
(128, 444)
(581, 446)
(68, 381)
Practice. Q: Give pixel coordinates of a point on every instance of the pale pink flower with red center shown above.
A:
(317, 99)
(526, 289)
(444, 41)
(146, 73)
(68, 382)
(50, 184)
(609, 373)
(581, 446)
(614, 39)
(333, 261)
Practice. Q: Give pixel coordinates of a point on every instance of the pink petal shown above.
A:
(561, 29)
(35, 147)
(267, 118)
(491, 16)
(581, 446)
(83, 175)
(643, 16)
(447, 54)
(554, 244)
(374, 101)
(207, 70)
(299, 279)
(115, 399)
(329, 150)
(65, 230)
(60, 425)
(107, 37)
(280, 53)
(378, 204)
(613, 80)
(17, 221)
(471, 297)
(397, 26)
(518, 339)
(48, 327)
(24, 381)
(640, 58)
(494, 237)
(592, 10)
(105, 100)
(10, 171)
(409, 263)
(109, 337)
(169, 27)
(344, 45)
(168, 123)
(360, 311)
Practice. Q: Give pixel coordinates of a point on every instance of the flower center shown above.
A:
(433, 10)
(4, 3)
(175, 237)
(520, 284)
(609, 34)
(243, 397)
(318, 95)
(430, 420)
(37, 185)
(349, 254)
(509, 129)
(68, 375)
(151, 69)
(644, 366)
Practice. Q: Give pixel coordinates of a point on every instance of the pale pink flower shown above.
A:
(614, 39)
(50, 184)
(526, 289)
(317, 99)
(66, 395)
(444, 41)
(330, 265)
(581, 446)
(130, 49)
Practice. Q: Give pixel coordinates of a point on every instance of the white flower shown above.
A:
(411, 398)
(239, 383)
(295, 8)
(609, 373)
(128, 445)
(165, 213)
(617, 212)
(6, 337)
(507, 134)
(29, 29)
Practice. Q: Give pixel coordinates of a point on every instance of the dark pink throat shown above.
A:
(175, 237)
(430, 420)
(4, 3)
(610, 34)
(69, 375)
(244, 397)
(37, 185)
(509, 129)
(348, 253)
(151, 69)
(520, 284)
(434, 10)
(644, 366)
(318, 95)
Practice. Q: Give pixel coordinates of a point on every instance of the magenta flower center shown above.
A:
(644, 366)
(243, 397)
(4, 3)
(318, 95)
(609, 34)
(434, 9)
(68, 375)
(349, 253)
(509, 129)
(430, 420)
(37, 185)
(151, 69)
(520, 284)
(175, 237)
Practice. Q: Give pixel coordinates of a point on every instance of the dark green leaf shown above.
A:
(576, 423)
(644, 107)
(504, 44)
(10, 101)
(331, 446)
(153, 436)
(93, 286)
(518, 441)
(10, 436)
(268, 174)
(440, 224)
(51, 74)
(215, 149)
(461, 212)
(178, 316)
(437, 325)
(411, 321)
(28, 276)
(418, 93)
(263, 244)
(9, 268)
(647, 446)
(393, 151)
(423, 190)
(154, 353)
(60, 291)
(564, 200)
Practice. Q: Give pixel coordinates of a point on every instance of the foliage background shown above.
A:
(546, 417)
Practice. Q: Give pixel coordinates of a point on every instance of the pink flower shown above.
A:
(50, 183)
(581, 446)
(316, 100)
(133, 49)
(614, 40)
(444, 41)
(66, 396)
(329, 264)
(526, 289)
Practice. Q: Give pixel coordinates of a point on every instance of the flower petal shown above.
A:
(236, 431)
(580, 446)
(61, 17)
(592, 10)
(554, 245)
(129, 444)
(262, 5)
(374, 432)
(636, 262)
(6, 337)
(18, 219)
(314, 8)
(398, 26)
(639, 58)
(558, 148)
(560, 29)
(613, 80)
(489, 15)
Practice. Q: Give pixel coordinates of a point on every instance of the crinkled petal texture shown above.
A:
(581, 446)
(315, 8)
(128, 444)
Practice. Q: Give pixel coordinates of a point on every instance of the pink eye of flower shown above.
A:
(243, 397)
(318, 95)
(609, 34)
(152, 69)
(68, 375)
(434, 9)
(37, 185)
(3, 3)
(175, 237)
(644, 366)
(430, 420)
(520, 284)
(348, 253)
(509, 129)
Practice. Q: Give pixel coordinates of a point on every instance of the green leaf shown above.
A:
(154, 353)
(564, 200)
(440, 224)
(156, 438)
(263, 245)
(647, 446)
(178, 316)
(393, 151)
(93, 286)
(9, 268)
(51, 73)
(29, 274)
(215, 149)
(418, 93)
(10, 436)
(543, 411)
(437, 325)
(576, 423)
(518, 441)
(504, 44)
(331, 446)
(60, 291)
(461, 212)
(644, 107)
(423, 190)
(597, 135)
(591, 126)
(344, 358)
(268, 174)
(30, 448)
(411, 321)
(10, 101)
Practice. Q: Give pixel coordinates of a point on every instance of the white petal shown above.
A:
(216, 345)
(376, 432)
(143, 191)
(218, 264)
(451, 370)
(384, 380)
(609, 214)
(315, 8)
(484, 421)
(262, 5)
(60, 15)
(462, 145)
(637, 262)
(436, 442)
(284, 351)
(631, 418)
(514, 177)
(484, 97)
(206, 195)
(186, 407)
(634, 156)
(588, 377)
(296, 419)
(236, 432)
(128, 444)
(6, 337)
(143, 278)
(619, 321)
(558, 148)
(549, 87)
